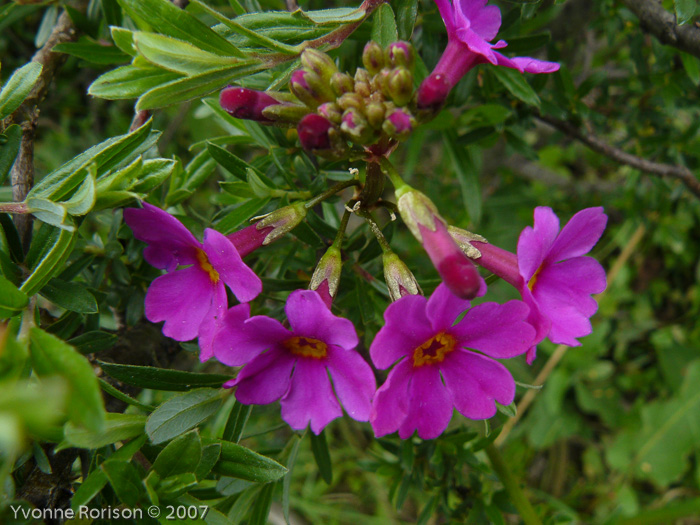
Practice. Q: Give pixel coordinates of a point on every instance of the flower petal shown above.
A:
(430, 406)
(534, 243)
(526, 64)
(579, 235)
(444, 307)
(390, 403)
(310, 398)
(211, 323)
(240, 339)
(182, 299)
(407, 327)
(475, 382)
(499, 331)
(266, 378)
(484, 20)
(477, 44)
(224, 258)
(446, 12)
(169, 243)
(353, 381)
(309, 316)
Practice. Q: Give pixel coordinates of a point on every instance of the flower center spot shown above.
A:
(206, 266)
(306, 347)
(434, 350)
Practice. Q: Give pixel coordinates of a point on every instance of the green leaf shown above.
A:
(51, 261)
(9, 147)
(83, 199)
(242, 463)
(691, 64)
(94, 341)
(178, 56)
(49, 212)
(261, 507)
(129, 82)
(196, 86)
(236, 422)
(170, 20)
(91, 51)
(161, 378)
(12, 300)
(406, 18)
(234, 217)
(124, 40)
(210, 457)
(182, 455)
(52, 356)
(465, 165)
(685, 10)
(97, 479)
(181, 413)
(230, 162)
(125, 481)
(507, 410)
(384, 30)
(287, 483)
(515, 83)
(118, 427)
(71, 296)
(18, 86)
(319, 447)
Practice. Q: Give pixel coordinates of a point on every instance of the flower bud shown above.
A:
(309, 88)
(331, 111)
(246, 103)
(326, 276)
(373, 57)
(356, 127)
(351, 100)
(281, 221)
(399, 124)
(318, 62)
(422, 218)
(399, 86)
(400, 54)
(342, 83)
(249, 238)
(432, 94)
(399, 278)
(375, 114)
(318, 135)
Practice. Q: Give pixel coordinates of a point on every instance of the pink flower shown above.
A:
(552, 275)
(189, 300)
(441, 365)
(293, 365)
(471, 25)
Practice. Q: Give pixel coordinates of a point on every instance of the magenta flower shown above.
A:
(442, 365)
(471, 25)
(552, 275)
(293, 365)
(189, 300)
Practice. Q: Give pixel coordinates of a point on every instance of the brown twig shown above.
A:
(654, 19)
(655, 168)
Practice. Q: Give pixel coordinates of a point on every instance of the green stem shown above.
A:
(376, 230)
(343, 225)
(292, 195)
(330, 192)
(527, 513)
(390, 171)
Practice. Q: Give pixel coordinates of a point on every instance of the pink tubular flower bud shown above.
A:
(399, 124)
(433, 93)
(246, 103)
(269, 228)
(320, 136)
(309, 88)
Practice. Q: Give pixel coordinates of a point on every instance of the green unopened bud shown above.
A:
(310, 89)
(463, 239)
(285, 114)
(356, 127)
(342, 83)
(399, 86)
(351, 100)
(361, 75)
(281, 221)
(399, 279)
(326, 276)
(400, 54)
(363, 89)
(318, 62)
(399, 124)
(373, 57)
(331, 111)
(375, 114)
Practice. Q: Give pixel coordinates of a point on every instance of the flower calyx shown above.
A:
(464, 239)
(281, 221)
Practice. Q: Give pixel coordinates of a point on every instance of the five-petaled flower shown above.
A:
(293, 365)
(441, 364)
(191, 299)
(471, 25)
(552, 275)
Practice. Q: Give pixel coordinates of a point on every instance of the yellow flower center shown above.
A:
(306, 347)
(533, 281)
(434, 350)
(206, 266)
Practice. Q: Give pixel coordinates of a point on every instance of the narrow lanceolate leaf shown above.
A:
(178, 56)
(241, 462)
(384, 30)
(12, 300)
(91, 51)
(71, 296)
(49, 212)
(50, 356)
(83, 199)
(182, 455)
(181, 413)
(129, 82)
(170, 20)
(161, 378)
(515, 83)
(118, 427)
(18, 87)
(196, 86)
(9, 147)
(319, 447)
(125, 480)
(462, 159)
(50, 263)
